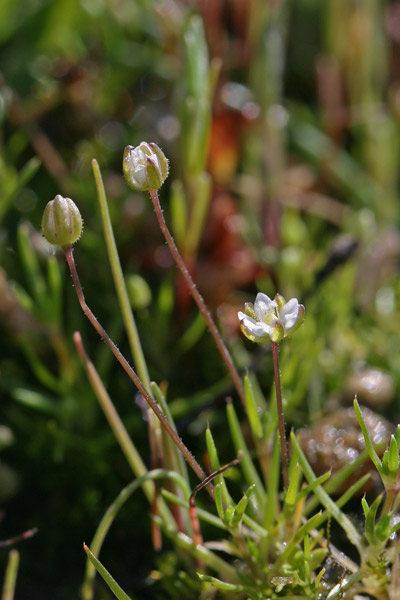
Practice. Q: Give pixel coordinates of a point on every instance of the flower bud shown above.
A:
(145, 167)
(62, 222)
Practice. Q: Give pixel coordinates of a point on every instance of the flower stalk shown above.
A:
(198, 298)
(281, 418)
(273, 320)
(145, 168)
(129, 370)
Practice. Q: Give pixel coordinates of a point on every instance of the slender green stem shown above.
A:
(223, 350)
(130, 372)
(119, 282)
(281, 418)
(10, 578)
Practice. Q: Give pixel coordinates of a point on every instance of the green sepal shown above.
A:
(249, 310)
(280, 300)
(62, 223)
(278, 332)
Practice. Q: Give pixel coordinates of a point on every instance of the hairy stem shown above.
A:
(129, 370)
(281, 419)
(198, 298)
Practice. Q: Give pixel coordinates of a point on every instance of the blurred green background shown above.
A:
(281, 121)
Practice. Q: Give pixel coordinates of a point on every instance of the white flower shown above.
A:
(145, 167)
(271, 319)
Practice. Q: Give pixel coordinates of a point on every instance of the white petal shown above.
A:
(259, 330)
(264, 307)
(289, 314)
(141, 174)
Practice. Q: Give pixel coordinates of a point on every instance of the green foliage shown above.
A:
(281, 124)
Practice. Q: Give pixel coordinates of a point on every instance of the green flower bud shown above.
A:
(145, 167)
(62, 222)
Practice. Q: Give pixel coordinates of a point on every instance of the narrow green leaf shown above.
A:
(385, 464)
(371, 450)
(201, 200)
(10, 578)
(28, 171)
(317, 557)
(192, 334)
(221, 585)
(34, 400)
(240, 508)
(370, 520)
(228, 515)
(40, 370)
(311, 486)
(246, 464)
(307, 558)
(219, 502)
(325, 499)
(202, 553)
(203, 515)
(365, 506)
(252, 410)
(382, 528)
(179, 216)
(393, 456)
(397, 435)
(319, 577)
(176, 459)
(291, 494)
(32, 270)
(215, 465)
(296, 539)
(119, 281)
(55, 284)
(110, 581)
(196, 53)
(272, 495)
(24, 299)
(97, 542)
(344, 498)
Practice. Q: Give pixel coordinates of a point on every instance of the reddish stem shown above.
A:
(281, 418)
(198, 298)
(131, 373)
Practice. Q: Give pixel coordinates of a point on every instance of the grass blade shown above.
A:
(10, 578)
(110, 581)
